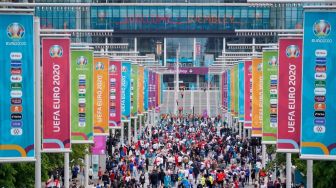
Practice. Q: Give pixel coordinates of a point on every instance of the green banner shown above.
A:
(134, 90)
(81, 96)
(236, 92)
(270, 97)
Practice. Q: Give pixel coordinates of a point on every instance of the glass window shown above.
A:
(130, 11)
(138, 11)
(206, 11)
(123, 12)
(191, 12)
(221, 12)
(161, 12)
(145, 11)
(153, 12)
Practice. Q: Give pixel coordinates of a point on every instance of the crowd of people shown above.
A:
(186, 151)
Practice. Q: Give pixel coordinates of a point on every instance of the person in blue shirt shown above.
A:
(167, 181)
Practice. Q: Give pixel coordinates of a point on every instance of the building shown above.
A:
(197, 26)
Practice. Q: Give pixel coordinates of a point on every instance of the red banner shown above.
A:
(290, 71)
(248, 95)
(114, 94)
(56, 94)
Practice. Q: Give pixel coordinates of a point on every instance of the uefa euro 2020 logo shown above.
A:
(113, 69)
(292, 51)
(99, 66)
(250, 69)
(259, 67)
(55, 51)
(82, 61)
(273, 61)
(15, 31)
(321, 28)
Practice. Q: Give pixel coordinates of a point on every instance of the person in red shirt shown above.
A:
(220, 178)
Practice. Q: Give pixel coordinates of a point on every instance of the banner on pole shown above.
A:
(236, 91)
(125, 91)
(229, 96)
(241, 91)
(225, 90)
(17, 96)
(248, 95)
(318, 128)
(101, 96)
(56, 133)
(141, 90)
(134, 90)
(99, 146)
(270, 96)
(81, 96)
(257, 97)
(146, 89)
(289, 111)
(114, 94)
(232, 90)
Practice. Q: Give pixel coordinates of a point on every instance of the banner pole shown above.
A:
(129, 131)
(288, 170)
(66, 169)
(37, 103)
(140, 125)
(263, 150)
(86, 172)
(135, 129)
(309, 173)
(122, 133)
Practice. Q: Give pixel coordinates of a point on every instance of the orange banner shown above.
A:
(257, 111)
(141, 89)
(100, 94)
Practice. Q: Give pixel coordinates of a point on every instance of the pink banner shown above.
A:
(114, 94)
(290, 71)
(156, 76)
(56, 94)
(99, 146)
(248, 94)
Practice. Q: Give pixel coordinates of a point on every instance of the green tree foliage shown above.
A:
(22, 174)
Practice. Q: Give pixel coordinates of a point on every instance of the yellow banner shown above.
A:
(141, 89)
(257, 110)
(100, 94)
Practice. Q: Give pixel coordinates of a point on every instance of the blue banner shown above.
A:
(241, 91)
(146, 89)
(229, 90)
(125, 91)
(318, 128)
(17, 88)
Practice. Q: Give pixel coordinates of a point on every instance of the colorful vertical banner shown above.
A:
(158, 89)
(248, 95)
(270, 96)
(241, 91)
(141, 90)
(289, 111)
(257, 97)
(225, 90)
(99, 147)
(126, 91)
(151, 93)
(229, 83)
(56, 133)
(318, 128)
(17, 96)
(134, 90)
(236, 91)
(81, 96)
(232, 85)
(146, 90)
(101, 96)
(114, 94)
(161, 88)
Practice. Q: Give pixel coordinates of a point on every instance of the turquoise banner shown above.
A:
(125, 91)
(146, 75)
(17, 92)
(241, 91)
(229, 90)
(318, 140)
